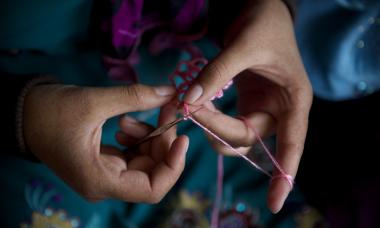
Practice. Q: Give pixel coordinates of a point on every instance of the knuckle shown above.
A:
(218, 69)
(308, 94)
(301, 91)
(247, 140)
(133, 93)
(303, 99)
(297, 99)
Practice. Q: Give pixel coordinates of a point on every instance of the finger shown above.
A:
(133, 149)
(168, 114)
(97, 172)
(112, 101)
(215, 76)
(138, 186)
(224, 150)
(132, 131)
(134, 128)
(291, 135)
(162, 144)
(166, 174)
(141, 163)
(125, 140)
(113, 159)
(232, 130)
(132, 186)
(216, 144)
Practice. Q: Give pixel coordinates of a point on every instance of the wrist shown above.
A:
(21, 112)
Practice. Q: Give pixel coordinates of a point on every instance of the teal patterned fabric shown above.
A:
(47, 37)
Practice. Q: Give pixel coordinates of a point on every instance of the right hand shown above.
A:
(63, 127)
(274, 93)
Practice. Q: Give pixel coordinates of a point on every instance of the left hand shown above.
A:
(274, 92)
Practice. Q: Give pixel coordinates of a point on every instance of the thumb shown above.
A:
(214, 77)
(113, 101)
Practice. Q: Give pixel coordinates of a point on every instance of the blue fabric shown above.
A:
(340, 46)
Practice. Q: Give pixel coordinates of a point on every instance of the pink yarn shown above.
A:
(282, 174)
(187, 72)
(228, 145)
(219, 193)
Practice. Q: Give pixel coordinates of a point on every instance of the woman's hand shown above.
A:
(63, 126)
(274, 92)
(163, 152)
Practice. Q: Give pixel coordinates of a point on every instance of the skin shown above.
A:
(63, 125)
(274, 93)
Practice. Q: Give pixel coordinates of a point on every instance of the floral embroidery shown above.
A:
(309, 218)
(38, 197)
(51, 219)
(239, 216)
(189, 211)
(193, 210)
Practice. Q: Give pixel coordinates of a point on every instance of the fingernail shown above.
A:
(130, 119)
(193, 94)
(165, 91)
(278, 204)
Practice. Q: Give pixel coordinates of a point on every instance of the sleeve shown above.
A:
(12, 96)
(222, 13)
